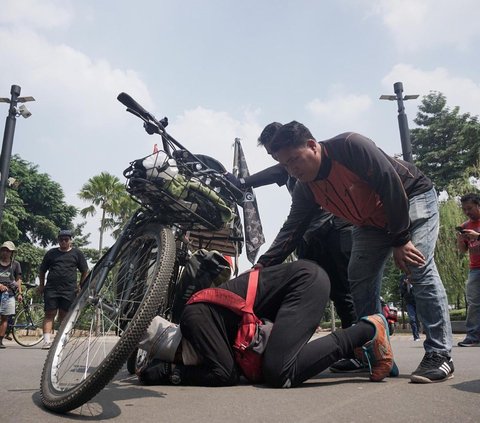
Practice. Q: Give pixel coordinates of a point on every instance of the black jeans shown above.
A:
(330, 246)
(294, 297)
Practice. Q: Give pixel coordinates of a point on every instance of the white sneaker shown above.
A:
(46, 345)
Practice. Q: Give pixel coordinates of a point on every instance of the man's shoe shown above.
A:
(378, 351)
(156, 372)
(46, 345)
(434, 367)
(349, 365)
(2, 346)
(468, 343)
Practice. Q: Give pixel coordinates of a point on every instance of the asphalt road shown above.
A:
(326, 398)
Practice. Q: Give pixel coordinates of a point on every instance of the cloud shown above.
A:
(416, 25)
(340, 108)
(213, 132)
(339, 112)
(459, 91)
(36, 13)
(58, 74)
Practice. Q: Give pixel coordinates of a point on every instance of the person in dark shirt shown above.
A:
(327, 241)
(291, 295)
(60, 290)
(394, 208)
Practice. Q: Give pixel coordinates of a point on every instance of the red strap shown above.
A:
(251, 290)
(221, 297)
(228, 299)
(243, 307)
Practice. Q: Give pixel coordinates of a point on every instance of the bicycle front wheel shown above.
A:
(108, 319)
(27, 326)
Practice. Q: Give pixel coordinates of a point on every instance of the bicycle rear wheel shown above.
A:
(108, 319)
(27, 325)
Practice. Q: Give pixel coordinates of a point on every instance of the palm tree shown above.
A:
(125, 208)
(104, 191)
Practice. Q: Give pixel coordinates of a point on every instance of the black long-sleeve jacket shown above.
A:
(358, 182)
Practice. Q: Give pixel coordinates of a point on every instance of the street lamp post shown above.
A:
(8, 134)
(402, 119)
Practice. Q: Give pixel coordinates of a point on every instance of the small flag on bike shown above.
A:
(254, 238)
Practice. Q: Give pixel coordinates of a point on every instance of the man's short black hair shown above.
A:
(268, 132)
(473, 197)
(293, 134)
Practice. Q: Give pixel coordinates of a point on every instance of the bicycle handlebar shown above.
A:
(152, 125)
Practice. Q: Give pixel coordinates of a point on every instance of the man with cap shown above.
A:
(62, 264)
(10, 283)
(293, 296)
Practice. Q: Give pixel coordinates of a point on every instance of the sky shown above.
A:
(221, 69)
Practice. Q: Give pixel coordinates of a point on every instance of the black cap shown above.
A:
(65, 232)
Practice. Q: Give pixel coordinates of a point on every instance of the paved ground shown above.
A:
(326, 398)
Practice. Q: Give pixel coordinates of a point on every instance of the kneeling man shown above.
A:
(293, 296)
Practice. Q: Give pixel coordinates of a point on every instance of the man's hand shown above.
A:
(3, 288)
(470, 234)
(407, 255)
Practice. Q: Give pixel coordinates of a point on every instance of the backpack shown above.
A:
(203, 269)
(253, 333)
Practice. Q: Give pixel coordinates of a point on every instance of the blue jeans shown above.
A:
(412, 317)
(370, 251)
(473, 301)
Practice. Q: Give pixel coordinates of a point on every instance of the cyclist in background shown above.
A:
(10, 283)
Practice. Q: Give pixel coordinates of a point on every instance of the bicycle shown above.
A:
(185, 203)
(27, 324)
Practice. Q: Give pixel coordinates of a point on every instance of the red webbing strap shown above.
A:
(221, 297)
(235, 303)
(251, 290)
(228, 299)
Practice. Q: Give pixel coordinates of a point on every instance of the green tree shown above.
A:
(104, 191)
(125, 208)
(14, 212)
(30, 258)
(36, 208)
(446, 142)
(452, 265)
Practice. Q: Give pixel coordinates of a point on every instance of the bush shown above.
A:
(459, 314)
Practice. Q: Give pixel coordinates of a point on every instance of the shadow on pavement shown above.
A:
(103, 406)
(470, 386)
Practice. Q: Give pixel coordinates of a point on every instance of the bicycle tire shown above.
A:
(128, 298)
(27, 326)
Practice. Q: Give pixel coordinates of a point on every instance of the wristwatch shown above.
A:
(176, 376)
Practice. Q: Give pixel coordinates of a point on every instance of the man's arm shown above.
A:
(82, 267)
(373, 166)
(272, 175)
(41, 285)
(18, 280)
(302, 210)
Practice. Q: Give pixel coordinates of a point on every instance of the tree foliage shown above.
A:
(30, 258)
(446, 142)
(106, 192)
(452, 265)
(36, 209)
